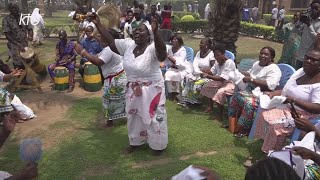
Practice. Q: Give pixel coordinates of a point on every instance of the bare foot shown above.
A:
(207, 110)
(131, 149)
(109, 124)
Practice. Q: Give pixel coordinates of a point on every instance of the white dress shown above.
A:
(174, 76)
(115, 81)
(147, 117)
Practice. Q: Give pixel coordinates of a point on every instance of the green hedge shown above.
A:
(189, 26)
(180, 14)
(246, 29)
(267, 18)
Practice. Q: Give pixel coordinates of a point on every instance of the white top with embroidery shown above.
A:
(142, 68)
(200, 63)
(271, 74)
(224, 70)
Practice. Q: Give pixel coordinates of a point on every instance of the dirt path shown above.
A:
(50, 107)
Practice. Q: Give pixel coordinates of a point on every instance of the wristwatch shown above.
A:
(251, 79)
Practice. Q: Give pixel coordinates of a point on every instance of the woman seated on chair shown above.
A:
(303, 91)
(177, 62)
(220, 84)
(202, 63)
(263, 74)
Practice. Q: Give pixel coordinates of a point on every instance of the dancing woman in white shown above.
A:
(145, 96)
(37, 26)
(115, 81)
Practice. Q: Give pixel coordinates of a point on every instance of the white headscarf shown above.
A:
(146, 23)
(36, 18)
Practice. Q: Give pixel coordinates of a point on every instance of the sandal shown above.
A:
(249, 162)
(239, 135)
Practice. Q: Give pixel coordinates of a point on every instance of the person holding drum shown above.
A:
(16, 34)
(91, 45)
(66, 57)
(115, 81)
(145, 94)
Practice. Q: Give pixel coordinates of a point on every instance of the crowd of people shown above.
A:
(135, 87)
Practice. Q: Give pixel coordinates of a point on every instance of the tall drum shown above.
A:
(28, 55)
(61, 81)
(92, 77)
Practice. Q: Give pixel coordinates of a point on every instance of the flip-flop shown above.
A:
(239, 135)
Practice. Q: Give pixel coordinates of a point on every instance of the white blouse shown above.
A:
(224, 70)
(180, 56)
(307, 92)
(112, 62)
(271, 74)
(201, 63)
(145, 67)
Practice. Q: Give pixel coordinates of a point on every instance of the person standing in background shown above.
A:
(189, 7)
(274, 16)
(37, 25)
(207, 12)
(255, 12)
(196, 7)
(281, 17)
(245, 14)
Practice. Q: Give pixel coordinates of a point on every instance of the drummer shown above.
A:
(91, 45)
(66, 57)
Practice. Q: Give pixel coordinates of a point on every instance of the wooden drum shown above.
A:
(61, 81)
(92, 78)
(36, 66)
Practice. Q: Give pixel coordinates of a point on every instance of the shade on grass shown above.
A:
(91, 152)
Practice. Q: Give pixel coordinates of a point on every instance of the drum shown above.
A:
(30, 55)
(92, 78)
(61, 81)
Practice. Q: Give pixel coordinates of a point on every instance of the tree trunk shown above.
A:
(41, 6)
(48, 12)
(225, 23)
(6, 2)
(24, 6)
(53, 5)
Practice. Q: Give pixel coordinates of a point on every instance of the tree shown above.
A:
(24, 6)
(225, 23)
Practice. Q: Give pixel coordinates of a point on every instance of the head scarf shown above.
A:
(148, 25)
(36, 18)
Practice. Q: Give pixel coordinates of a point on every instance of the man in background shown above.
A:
(153, 14)
(254, 13)
(274, 15)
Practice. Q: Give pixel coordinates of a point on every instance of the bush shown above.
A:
(180, 14)
(190, 26)
(246, 29)
(267, 18)
(187, 18)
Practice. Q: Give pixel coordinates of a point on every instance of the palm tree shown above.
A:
(225, 22)
(24, 6)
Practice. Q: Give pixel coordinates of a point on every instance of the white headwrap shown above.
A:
(146, 23)
(36, 18)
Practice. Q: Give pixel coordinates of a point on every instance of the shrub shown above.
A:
(267, 18)
(180, 14)
(187, 18)
(190, 26)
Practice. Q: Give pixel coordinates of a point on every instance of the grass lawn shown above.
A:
(88, 152)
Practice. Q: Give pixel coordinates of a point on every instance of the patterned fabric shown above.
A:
(5, 102)
(191, 91)
(10, 25)
(147, 117)
(92, 46)
(245, 104)
(274, 125)
(113, 98)
(312, 172)
(64, 51)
